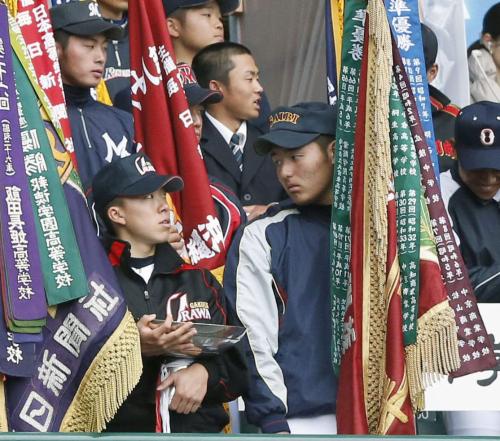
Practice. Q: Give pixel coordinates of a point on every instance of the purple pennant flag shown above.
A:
(25, 296)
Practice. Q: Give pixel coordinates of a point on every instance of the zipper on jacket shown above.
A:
(146, 294)
(117, 54)
(84, 127)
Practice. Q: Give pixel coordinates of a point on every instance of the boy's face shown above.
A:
(484, 183)
(200, 27)
(196, 113)
(82, 60)
(144, 220)
(305, 173)
(243, 92)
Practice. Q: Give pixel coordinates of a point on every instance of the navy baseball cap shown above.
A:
(298, 125)
(196, 94)
(83, 18)
(130, 176)
(430, 44)
(477, 136)
(226, 6)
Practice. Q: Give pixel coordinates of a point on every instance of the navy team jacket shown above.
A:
(277, 281)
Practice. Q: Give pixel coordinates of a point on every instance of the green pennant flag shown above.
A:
(64, 274)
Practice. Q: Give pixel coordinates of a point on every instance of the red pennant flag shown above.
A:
(164, 128)
(33, 19)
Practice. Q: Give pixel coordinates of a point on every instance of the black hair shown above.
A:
(108, 223)
(214, 62)
(491, 21)
(62, 37)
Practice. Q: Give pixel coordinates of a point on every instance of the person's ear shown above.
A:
(432, 73)
(216, 85)
(173, 26)
(487, 40)
(59, 50)
(116, 215)
(330, 151)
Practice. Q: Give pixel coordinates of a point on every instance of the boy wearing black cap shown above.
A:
(100, 133)
(130, 197)
(194, 24)
(471, 193)
(277, 279)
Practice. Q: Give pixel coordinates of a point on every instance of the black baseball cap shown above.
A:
(83, 18)
(130, 176)
(226, 6)
(298, 125)
(430, 44)
(477, 136)
(196, 94)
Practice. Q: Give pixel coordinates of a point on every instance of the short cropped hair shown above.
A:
(214, 62)
(62, 37)
(491, 21)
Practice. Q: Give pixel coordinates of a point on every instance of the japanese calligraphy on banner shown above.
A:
(406, 171)
(164, 127)
(479, 391)
(34, 21)
(74, 332)
(405, 25)
(453, 271)
(347, 104)
(22, 283)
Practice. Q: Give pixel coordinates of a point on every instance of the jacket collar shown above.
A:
(166, 259)
(77, 96)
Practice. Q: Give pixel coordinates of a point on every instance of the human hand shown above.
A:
(157, 339)
(175, 239)
(254, 211)
(190, 388)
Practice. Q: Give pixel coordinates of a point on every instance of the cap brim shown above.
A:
(95, 27)
(198, 95)
(226, 6)
(479, 158)
(283, 138)
(150, 183)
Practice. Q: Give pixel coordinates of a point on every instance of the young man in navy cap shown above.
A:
(277, 279)
(101, 133)
(195, 24)
(471, 193)
(130, 198)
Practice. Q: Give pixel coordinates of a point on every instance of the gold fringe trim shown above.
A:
(12, 6)
(378, 176)
(4, 423)
(434, 354)
(110, 378)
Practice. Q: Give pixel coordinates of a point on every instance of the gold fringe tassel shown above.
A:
(111, 377)
(11, 6)
(434, 354)
(4, 425)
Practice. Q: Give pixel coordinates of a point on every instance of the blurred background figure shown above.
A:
(484, 59)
